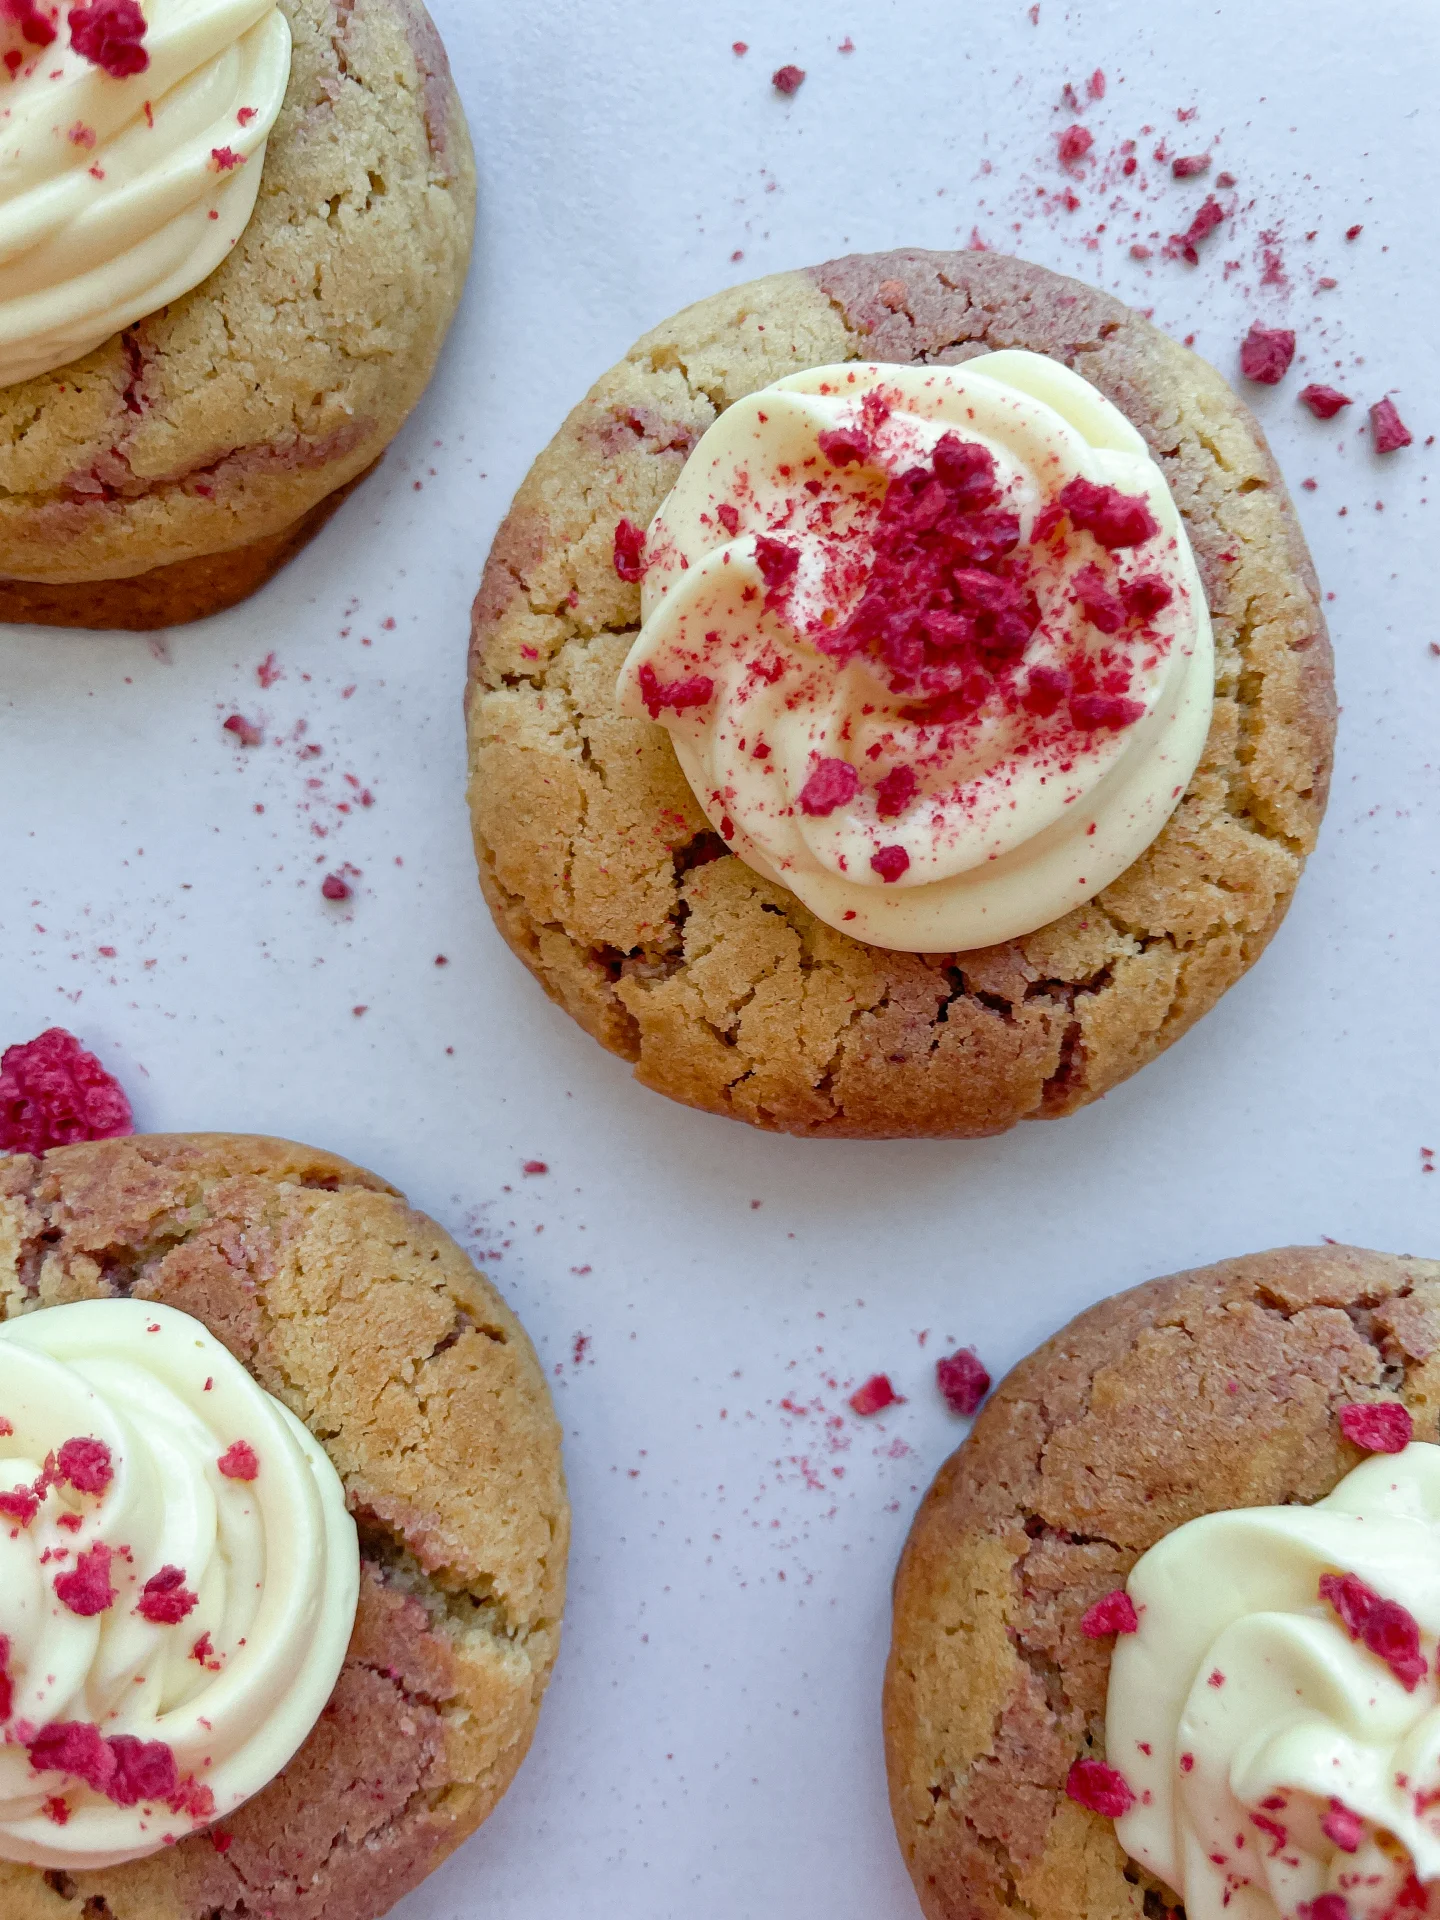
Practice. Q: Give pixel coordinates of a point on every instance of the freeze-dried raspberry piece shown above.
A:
(1344, 1827)
(1382, 1426)
(787, 79)
(225, 159)
(1390, 1632)
(777, 564)
(630, 551)
(1116, 519)
(37, 27)
(144, 1770)
(1325, 402)
(7, 1685)
(20, 1504)
(831, 784)
(890, 863)
(108, 33)
(1331, 1906)
(1390, 431)
(1266, 353)
(76, 1747)
(239, 1461)
(963, 1380)
(1146, 595)
(895, 792)
(84, 1464)
(843, 445)
(52, 1093)
(335, 887)
(165, 1600)
(657, 694)
(1186, 166)
(1099, 605)
(876, 1393)
(245, 731)
(1094, 712)
(198, 1802)
(1090, 1783)
(1075, 143)
(85, 1588)
(1046, 688)
(729, 518)
(1187, 244)
(1114, 1614)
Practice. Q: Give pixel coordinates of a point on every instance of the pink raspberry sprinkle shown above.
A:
(225, 159)
(1091, 1784)
(53, 1093)
(1379, 1426)
(1075, 143)
(677, 695)
(1344, 1827)
(245, 731)
(874, 1395)
(1114, 1614)
(239, 1461)
(963, 1381)
(1329, 1906)
(895, 792)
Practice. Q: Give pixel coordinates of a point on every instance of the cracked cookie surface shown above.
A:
(1213, 1389)
(725, 993)
(372, 1326)
(227, 417)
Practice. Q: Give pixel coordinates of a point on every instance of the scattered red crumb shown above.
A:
(1114, 1614)
(7, 1685)
(1187, 1762)
(165, 1600)
(1091, 1784)
(890, 863)
(729, 518)
(630, 550)
(1215, 1679)
(334, 887)
(53, 1093)
(847, 45)
(108, 33)
(842, 445)
(245, 731)
(740, 47)
(831, 784)
(657, 694)
(1266, 353)
(225, 159)
(1116, 519)
(85, 1588)
(1187, 244)
(80, 135)
(1095, 85)
(1075, 143)
(1354, 233)
(1324, 402)
(535, 1166)
(57, 1810)
(1382, 1426)
(1331, 1906)
(20, 1504)
(963, 1381)
(267, 673)
(1390, 431)
(84, 1464)
(876, 1393)
(203, 1652)
(239, 1461)
(1343, 1826)
(787, 79)
(1384, 1626)
(1186, 165)
(246, 115)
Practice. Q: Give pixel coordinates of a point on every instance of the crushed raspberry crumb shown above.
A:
(335, 887)
(245, 731)
(1187, 165)
(57, 1810)
(203, 1652)
(20, 1504)
(1384, 1626)
(52, 1093)
(85, 1588)
(536, 1166)
(1094, 712)
(1329, 1906)
(890, 863)
(1380, 1426)
(963, 1381)
(1145, 596)
(777, 564)
(1342, 1826)
(1324, 402)
(630, 551)
(1116, 519)
(225, 159)
(1114, 1614)
(787, 79)
(658, 694)
(1103, 609)
(7, 1685)
(84, 1464)
(1187, 1762)
(165, 1600)
(729, 518)
(830, 785)
(1091, 1784)
(246, 115)
(1075, 143)
(108, 33)
(76, 1747)
(1044, 691)
(222, 1842)
(874, 1395)
(36, 27)
(144, 1770)
(1266, 353)
(239, 1461)
(81, 136)
(895, 792)
(1354, 233)
(843, 445)
(1390, 431)
(1187, 244)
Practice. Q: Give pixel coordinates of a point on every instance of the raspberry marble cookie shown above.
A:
(1165, 1625)
(365, 1341)
(979, 720)
(248, 224)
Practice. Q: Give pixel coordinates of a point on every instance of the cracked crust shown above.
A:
(224, 420)
(722, 989)
(1212, 1389)
(372, 1326)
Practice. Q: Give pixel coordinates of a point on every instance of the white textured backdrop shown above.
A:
(704, 1297)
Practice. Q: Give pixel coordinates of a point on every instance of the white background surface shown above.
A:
(711, 1743)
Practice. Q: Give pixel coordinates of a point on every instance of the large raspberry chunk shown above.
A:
(1116, 519)
(1114, 1614)
(53, 1093)
(108, 33)
(1090, 1783)
(1381, 1426)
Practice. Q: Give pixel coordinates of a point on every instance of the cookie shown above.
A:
(1214, 1389)
(171, 471)
(605, 878)
(372, 1326)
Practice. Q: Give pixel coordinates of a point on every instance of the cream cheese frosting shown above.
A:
(178, 1582)
(930, 642)
(1276, 1714)
(122, 190)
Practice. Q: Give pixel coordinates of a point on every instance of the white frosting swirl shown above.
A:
(231, 1686)
(117, 195)
(1275, 1758)
(1000, 813)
